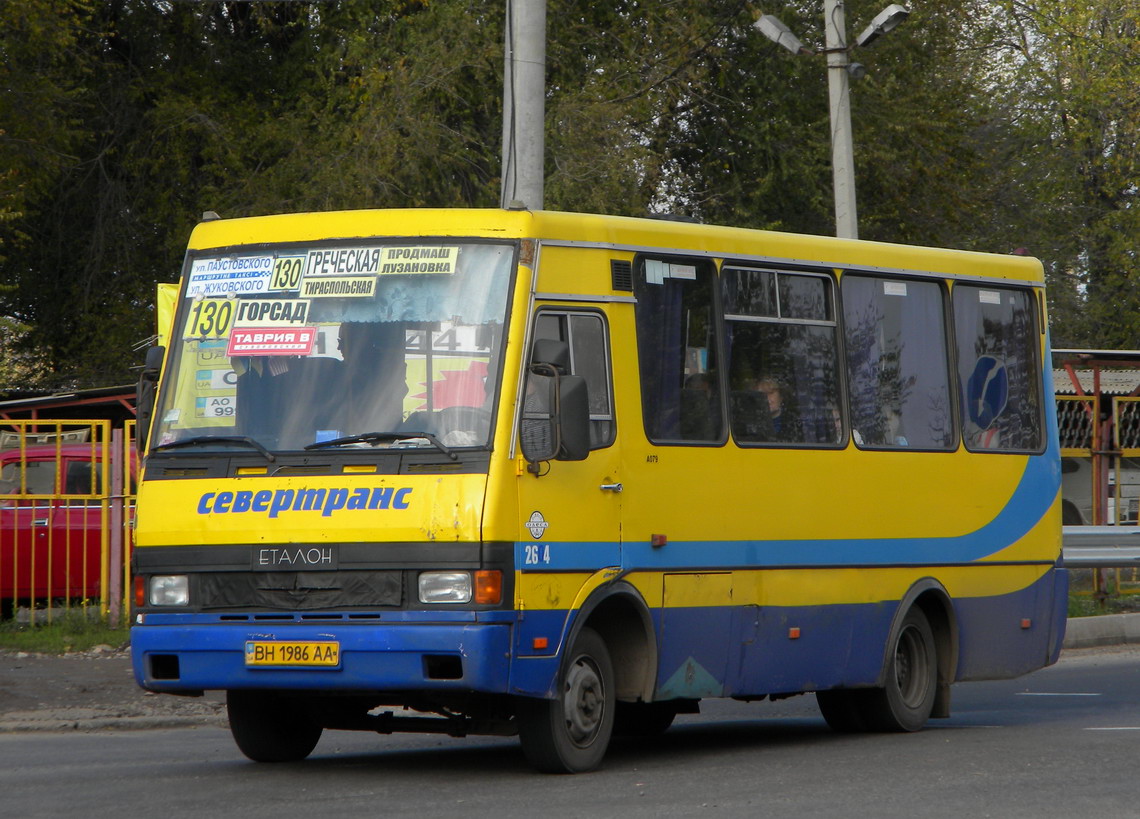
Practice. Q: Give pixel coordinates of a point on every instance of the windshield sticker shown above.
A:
(345, 261)
(271, 312)
(418, 260)
(222, 277)
(215, 379)
(210, 318)
(339, 287)
(267, 341)
(209, 353)
(216, 406)
(287, 273)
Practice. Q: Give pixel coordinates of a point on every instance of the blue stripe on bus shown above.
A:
(1035, 494)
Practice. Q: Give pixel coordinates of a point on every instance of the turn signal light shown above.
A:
(488, 586)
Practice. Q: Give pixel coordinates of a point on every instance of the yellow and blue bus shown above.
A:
(562, 476)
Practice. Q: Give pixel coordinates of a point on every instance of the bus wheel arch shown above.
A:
(621, 618)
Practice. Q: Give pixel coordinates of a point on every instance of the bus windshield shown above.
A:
(338, 345)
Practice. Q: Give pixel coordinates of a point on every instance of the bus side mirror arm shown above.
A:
(144, 401)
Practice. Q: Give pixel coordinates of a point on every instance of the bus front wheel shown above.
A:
(266, 729)
(570, 733)
(642, 720)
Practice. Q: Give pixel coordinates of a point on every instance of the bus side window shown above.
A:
(585, 332)
(999, 376)
(783, 360)
(897, 364)
(678, 350)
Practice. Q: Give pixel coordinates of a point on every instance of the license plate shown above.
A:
(290, 654)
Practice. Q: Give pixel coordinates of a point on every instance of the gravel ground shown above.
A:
(90, 690)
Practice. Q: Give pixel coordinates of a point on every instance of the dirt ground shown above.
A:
(90, 689)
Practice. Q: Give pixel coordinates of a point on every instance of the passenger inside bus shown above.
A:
(785, 426)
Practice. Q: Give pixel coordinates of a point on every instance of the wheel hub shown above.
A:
(583, 702)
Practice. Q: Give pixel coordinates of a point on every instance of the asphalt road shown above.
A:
(1061, 742)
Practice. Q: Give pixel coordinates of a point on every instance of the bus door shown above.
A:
(571, 510)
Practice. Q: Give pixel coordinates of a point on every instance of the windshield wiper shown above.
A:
(219, 439)
(385, 437)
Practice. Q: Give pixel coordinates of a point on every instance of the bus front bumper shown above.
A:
(444, 657)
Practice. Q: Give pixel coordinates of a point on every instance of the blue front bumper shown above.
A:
(180, 655)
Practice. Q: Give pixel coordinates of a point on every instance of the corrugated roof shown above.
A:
(1112, 382)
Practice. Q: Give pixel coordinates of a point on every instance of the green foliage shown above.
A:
(1071, 86)
(986, 125)
(70, 632)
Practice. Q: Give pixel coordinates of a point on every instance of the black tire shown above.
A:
(643, 719)
(906, 701)
(845, 709)
(570, 733)
(269, 728)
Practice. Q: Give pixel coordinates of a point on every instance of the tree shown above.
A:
(1069, 77)
(985, 124)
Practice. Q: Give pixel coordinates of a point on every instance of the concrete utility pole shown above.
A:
(839, 96)
(524, 109)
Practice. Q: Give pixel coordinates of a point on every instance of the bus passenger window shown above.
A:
(677, 350)
(783, 357)
(585, 332)
(999, 376)
(897, 366)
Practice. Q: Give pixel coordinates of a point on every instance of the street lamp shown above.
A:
(839, 70)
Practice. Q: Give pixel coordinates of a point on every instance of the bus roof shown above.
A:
(617, 232)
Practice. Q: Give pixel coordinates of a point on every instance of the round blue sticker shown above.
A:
(987, 391)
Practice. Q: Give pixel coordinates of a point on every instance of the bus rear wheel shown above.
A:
(845, 709)
(267, 729)
(905, 702)
(570, 733)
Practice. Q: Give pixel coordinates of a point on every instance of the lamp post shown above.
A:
(839, 71)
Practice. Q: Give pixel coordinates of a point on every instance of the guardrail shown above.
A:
(1101, 547)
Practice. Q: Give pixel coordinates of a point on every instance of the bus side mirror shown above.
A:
(556, 417)
(573, 418)
(144, 400)
(556, 411)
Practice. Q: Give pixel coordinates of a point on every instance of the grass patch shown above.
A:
(68, 632)
(1086, 605)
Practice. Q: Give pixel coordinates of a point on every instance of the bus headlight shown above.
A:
(445, 587)
(169, 590)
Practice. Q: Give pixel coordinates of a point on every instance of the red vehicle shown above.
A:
(52, 502)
